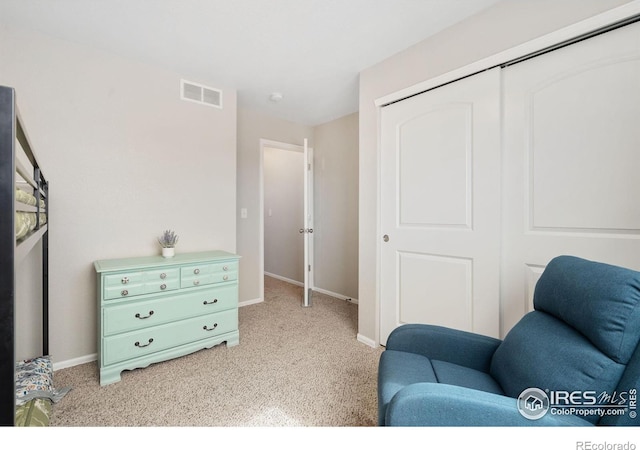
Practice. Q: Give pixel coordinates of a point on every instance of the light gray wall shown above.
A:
(498, 28)
(253, 126)
(336, 206)
(126, 159)
(284, 213)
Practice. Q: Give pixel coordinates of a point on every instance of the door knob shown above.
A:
(385, 238)
(301, 230)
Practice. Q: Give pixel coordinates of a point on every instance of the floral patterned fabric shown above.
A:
(34, 379)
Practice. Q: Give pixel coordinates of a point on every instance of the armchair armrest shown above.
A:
(445, 344)
(442, 405)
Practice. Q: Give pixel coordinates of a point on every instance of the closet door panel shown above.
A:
(570, 142)
(440, 213)
(580, 153)
(446, 167)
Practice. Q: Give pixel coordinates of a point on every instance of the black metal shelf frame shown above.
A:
(11, 131)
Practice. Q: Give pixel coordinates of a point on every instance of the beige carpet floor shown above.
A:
(294, 367)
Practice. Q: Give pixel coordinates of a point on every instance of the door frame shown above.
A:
(266, 143)
(600, 23)
(592, 26)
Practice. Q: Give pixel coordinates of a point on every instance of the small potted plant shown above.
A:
(168, 241)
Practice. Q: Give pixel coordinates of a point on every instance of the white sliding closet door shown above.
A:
(485, 180)
(571, 158)
(440, 208)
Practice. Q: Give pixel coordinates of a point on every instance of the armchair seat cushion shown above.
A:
(456, 375)
(399, 369)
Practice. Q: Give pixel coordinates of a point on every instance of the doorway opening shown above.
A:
(286, 244)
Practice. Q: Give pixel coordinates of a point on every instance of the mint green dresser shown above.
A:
(152, 308)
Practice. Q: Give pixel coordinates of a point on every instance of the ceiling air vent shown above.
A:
(198, 93)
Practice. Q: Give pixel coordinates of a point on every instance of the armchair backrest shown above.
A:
(581, 336)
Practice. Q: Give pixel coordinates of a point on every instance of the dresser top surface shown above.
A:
(107, 265)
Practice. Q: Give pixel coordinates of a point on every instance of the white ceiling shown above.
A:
(309, 50)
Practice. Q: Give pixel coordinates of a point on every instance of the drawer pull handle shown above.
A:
(163, 286)
(125, 280)
(124, 293)
(207, 302)
(196, 271)
(206, 328)
(145, 317)
(163, 276)
(196, 282)
(137, 344)
(225, 278)
(225, 268)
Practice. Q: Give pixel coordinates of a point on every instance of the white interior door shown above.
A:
(572, 153)
(440, 208)
(307, 230)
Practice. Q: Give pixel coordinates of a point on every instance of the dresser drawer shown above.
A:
(189, 279)
(162, 275)
(225, 267)
(123, 291)
(123, 279)
(161, 286)
(208, 279)
(150, 340)
(208, 268)
(148, 313)
(123, 285)
(136, 283)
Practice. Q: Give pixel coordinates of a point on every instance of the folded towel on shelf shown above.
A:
(26, 222)
(27, 199)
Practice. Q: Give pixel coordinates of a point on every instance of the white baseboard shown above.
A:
(366, 340)
(74, 362)
(250, 302)
(279, 277)
(315, 289)
(336, 295)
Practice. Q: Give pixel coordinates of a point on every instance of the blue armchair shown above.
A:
(573, 361)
